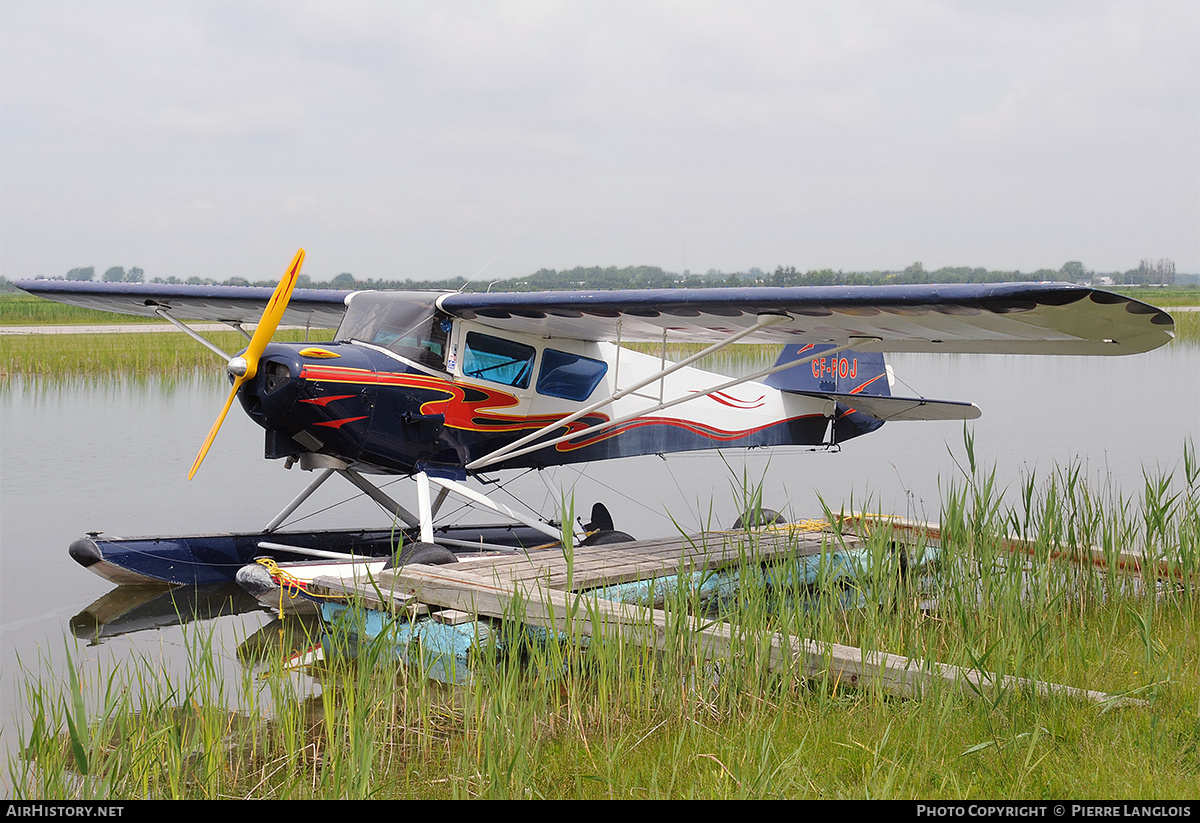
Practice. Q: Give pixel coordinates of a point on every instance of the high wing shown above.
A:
(319, 308)
(1012, 318)
(1005, 318)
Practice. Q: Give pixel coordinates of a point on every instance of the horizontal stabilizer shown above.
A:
(901, 408)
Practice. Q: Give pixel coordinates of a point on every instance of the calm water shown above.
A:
(114, 457)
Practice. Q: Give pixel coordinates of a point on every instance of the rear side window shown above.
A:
(569, 376)
(498, 360)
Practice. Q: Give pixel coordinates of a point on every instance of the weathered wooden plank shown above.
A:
(372, 595)
(569, 612)
(595, 566)
(453, 617)
(607, 571)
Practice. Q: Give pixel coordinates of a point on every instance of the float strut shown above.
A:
(300, 498)
(484, 500)
(373, 492)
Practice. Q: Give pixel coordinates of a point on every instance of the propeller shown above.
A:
(245, 366)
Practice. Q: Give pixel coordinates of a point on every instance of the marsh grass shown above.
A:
(29, 310)
(1163, 297)
(1187, 326)
(545, 714)
(101, 356)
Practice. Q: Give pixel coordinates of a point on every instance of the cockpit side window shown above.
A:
(499, 360)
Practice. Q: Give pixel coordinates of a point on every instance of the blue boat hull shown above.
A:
(193, 560)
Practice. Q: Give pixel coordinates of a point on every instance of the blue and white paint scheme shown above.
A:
(444, 387)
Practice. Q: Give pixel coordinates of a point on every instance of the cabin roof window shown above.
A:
(406, 323)
(569, 376)
(499, 360)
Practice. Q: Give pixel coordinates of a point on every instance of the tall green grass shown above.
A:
(547, 715)
(1187, 325)
(21, 309)
(73, 356)
(1164, 297)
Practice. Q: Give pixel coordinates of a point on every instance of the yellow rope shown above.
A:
(288, 583)
(291, 584)
(868, 520)
(801, 525)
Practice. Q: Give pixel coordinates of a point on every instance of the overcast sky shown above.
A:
(488, 140)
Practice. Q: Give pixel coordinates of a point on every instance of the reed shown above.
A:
(1164, 297)
(545, 714)
(73, 356)
(1187, 326)
(18, 309)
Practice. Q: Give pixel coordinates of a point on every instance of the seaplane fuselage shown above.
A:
(405, 388)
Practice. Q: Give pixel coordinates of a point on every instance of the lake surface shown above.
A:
(114, 456)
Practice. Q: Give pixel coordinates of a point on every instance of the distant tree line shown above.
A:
(609, 278)
(116, 274)
(1161, 273)
(652, 277)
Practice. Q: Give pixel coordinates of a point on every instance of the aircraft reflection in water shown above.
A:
(443, 387)
(129, 609)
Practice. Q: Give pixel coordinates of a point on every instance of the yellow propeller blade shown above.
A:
(212, 433)
(262, 336)
(272, 314)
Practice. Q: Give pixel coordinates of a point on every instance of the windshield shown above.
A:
(404, 322)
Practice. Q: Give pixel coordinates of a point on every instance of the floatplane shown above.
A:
(447, 389)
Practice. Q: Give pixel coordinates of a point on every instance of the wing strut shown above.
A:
(763, 321)
(500, 454)
(199, 338)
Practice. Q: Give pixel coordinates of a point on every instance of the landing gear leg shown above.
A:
(427, 504)
(424, 507)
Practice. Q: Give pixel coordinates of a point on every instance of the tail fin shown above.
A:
(849, 372)
(860, 383)
(837, 377)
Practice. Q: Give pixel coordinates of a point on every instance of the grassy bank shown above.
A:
(22, 309)
(1162, 296)
(106, 355)
(618, 720)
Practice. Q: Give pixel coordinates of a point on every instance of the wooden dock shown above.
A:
(547, 589)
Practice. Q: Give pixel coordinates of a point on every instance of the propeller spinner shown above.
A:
(245, 366)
